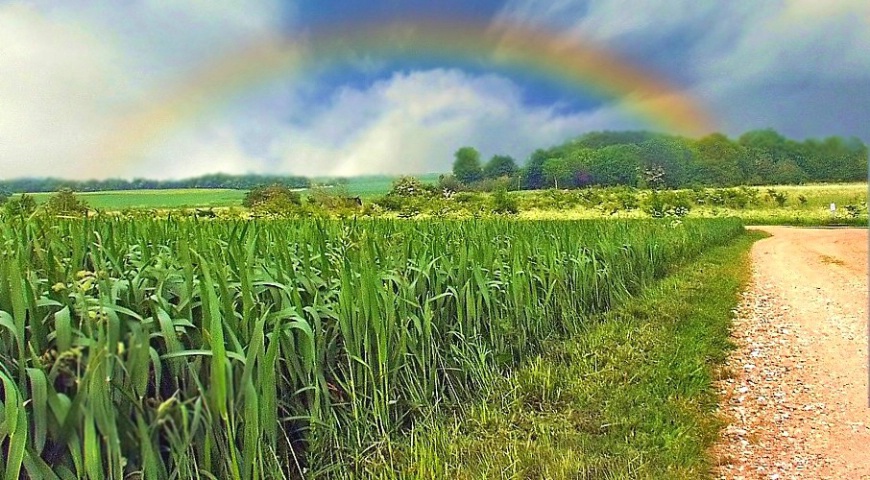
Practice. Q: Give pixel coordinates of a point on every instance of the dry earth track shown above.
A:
(798, 399)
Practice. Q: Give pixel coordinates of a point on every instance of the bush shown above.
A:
(22, 206)
(779, 197)
(449, 184)
(64, 202)
(277, 194)
(412, 187)
(273, 200)
(334, 199)
(667, 204)
(854, 211)
(504, 203)
(390, 203)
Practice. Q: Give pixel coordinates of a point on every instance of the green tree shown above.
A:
(597, 140)
(556, 170)
(578, 159)
(615, 165)
(720, 161)
(466, 167)
(764, 149)
(500, 166)
(788, 172)
(669, 158)
(534, 171)
(65, 202)
(503, 202)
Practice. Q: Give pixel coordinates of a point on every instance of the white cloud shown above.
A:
(71, 70)
(57, 85)
(414, 122)
(215, 148)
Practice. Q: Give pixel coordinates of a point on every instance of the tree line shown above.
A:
(217, 180)
(653, 160)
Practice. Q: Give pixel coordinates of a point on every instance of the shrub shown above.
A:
(667, 204)
(64, 202)
(273, 200)
(853, 211)
(334, 199)
(279, 194)
(503, 203)
(779, 197)
(21, 206)
(449, 183)
(411, 187)
(391, 203)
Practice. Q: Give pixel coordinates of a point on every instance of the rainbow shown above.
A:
(571, 62)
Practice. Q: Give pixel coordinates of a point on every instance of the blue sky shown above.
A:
(73, 69)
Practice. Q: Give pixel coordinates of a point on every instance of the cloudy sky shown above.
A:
(99, 88)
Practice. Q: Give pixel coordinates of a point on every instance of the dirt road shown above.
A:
(798, 400)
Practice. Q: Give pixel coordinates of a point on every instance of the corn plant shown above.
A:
(189, 348)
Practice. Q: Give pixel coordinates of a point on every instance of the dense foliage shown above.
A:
(22, 205)
(272, 199)
(236, 349)
(65, 202)
(219, 180)
(650, 160)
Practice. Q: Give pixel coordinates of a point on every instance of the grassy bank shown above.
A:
(630, 396)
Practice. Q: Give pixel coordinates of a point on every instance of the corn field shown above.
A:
(223, 349)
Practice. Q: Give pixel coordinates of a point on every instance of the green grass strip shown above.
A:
(631, 396)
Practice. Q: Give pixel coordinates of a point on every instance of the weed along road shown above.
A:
(797, 403)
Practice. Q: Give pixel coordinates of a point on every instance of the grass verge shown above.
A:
(630, 396)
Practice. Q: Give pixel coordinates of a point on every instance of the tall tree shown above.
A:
(614, 165)
(534, 173)
(557, 170)
(466, 167)
(720, 161)
(669, 157)
(500, 166)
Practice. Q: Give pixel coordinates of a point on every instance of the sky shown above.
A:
(157, 89)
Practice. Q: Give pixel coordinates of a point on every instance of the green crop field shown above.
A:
(372, 186)
(365, 187)
(157, 199)
(803, 205)
(186, 348)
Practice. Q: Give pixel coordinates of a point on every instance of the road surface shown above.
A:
(797, 402)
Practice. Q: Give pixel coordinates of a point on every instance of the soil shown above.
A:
(796, 402)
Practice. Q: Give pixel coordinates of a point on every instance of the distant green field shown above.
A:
(187, 198)
(806, 203)
(372, 186)
(366, 187)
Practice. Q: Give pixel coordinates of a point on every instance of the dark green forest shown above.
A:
(217, 180)
(653, 160)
